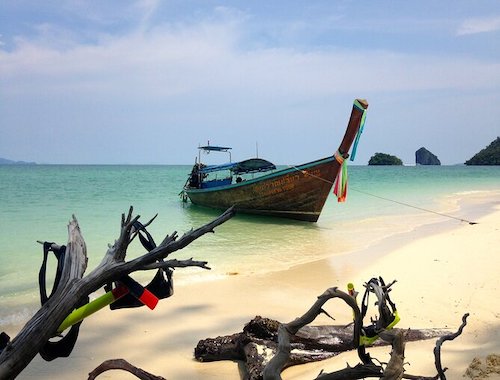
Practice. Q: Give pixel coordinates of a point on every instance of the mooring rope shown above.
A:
(415, 207)
(386, 199)
(309, 174)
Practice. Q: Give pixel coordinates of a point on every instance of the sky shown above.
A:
(148, 81)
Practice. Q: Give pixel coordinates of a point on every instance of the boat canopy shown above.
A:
(252, 165)
(215, 148)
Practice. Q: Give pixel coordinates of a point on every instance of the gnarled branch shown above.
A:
(273, 369)
(124, 365)
(73, 287)
(439, 343)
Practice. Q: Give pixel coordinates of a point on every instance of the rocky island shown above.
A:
(487, 156)
(424, 157)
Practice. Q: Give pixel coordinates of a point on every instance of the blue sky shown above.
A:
(146, 82)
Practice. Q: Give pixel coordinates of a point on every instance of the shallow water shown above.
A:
(38, 201)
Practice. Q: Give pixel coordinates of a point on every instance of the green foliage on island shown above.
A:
(487, 156)
(384, 159)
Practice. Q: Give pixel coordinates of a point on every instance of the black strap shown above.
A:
(161, 285)
(4, 341)
(386, 314)
(388, 298)
(366, 296)
(60, 254)
(63, 347)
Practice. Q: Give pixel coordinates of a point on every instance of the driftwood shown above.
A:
(439, 343)
(73, 287)
(309, 344)
(394, 369)
(124, 365)
(267, 347)
(258, 343)
(272, 370)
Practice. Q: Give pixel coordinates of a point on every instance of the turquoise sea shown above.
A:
(36, 203)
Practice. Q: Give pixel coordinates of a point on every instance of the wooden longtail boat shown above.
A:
(297, 192)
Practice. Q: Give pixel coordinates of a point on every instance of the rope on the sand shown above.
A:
(387, 199)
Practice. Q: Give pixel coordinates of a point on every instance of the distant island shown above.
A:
(4, 161)
(487, 156)
(384, 159)
(424, 157)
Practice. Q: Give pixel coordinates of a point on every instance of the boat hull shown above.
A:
(296, 193)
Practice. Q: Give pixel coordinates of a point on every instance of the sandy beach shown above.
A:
(443, 271)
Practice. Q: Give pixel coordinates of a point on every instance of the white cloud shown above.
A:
(479, 25)
(205, 58)
(210, 56)
(201, 78)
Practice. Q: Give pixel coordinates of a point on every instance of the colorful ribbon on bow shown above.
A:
(360, 130)
(340, 184)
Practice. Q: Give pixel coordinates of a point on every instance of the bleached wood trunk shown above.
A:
(24, 347)
(73, 287)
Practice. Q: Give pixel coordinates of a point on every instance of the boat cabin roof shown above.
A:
(215, 148)
(252, 165)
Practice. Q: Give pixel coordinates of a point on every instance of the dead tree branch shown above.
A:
(268, 347)
(439, 343)
(273, 369)
(258, 342)
(174, 263)
(394, 369)
(73, 287)
(124, 365)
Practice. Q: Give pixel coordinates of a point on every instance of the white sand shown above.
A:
(441, 276)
